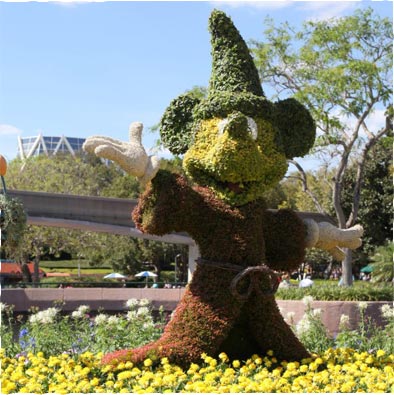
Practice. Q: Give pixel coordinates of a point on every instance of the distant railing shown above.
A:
(98, 284)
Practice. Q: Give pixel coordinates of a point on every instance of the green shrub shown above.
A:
(382, 264)
(361, 291)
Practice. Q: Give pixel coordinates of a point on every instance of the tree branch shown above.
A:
(305, 187)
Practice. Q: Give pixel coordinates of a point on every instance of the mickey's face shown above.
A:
(238, 157)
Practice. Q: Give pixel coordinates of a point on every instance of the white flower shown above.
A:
(303, 326)
(132, 303)
(143, 312)
(316, 312)
(83, 309)
(344, 321)
(144, 302)
(100, 319)
(387, 311)
(44, 317)
(76, 314)
(113, 320)
(131, 315)
(307, 300)
(148, 325)
(362, 306)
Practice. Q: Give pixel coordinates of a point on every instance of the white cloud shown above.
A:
(268, 5)
(9, 130)
(323, 10)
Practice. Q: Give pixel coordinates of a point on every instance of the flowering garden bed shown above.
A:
(334, 371)
(54, 353)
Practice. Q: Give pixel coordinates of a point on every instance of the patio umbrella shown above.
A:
(114, 275)
(366, 269)
(146, 274)
(306, 282)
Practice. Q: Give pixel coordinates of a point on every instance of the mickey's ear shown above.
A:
(176, 125)
(297, 127)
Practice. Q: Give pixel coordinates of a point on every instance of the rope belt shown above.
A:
(242, 273)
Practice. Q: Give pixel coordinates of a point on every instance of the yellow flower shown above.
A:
(258, 361)
(164, 361)
(319, 361)
(380, 353)
(148, 362)
(129, 365)
(109, 383)
(236, 363)
(126, 374)
(223, 357)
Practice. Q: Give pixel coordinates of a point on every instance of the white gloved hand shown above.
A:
(131, 156)
(327, 237)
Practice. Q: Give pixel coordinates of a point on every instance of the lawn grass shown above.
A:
(71, 267)
(70, 264)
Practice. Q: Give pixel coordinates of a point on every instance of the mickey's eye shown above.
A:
(252, 126)
(221, 125)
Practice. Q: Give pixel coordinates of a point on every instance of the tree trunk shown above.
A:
(36, 274)
(26, 275)
(347, 275)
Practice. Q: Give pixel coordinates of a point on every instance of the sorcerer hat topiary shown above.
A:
(233, 69)
(234, 86)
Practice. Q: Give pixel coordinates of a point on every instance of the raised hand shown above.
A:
(327, 237)
(130, 156)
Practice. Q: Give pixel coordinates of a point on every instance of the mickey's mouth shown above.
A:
(236, 187)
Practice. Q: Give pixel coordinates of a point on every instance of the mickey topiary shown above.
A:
(235, 145)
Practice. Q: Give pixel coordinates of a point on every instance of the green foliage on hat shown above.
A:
(223, 103)
(233, 69)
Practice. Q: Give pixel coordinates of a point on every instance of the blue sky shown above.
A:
(79, 69)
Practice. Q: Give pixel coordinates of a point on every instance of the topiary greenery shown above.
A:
(241, 169)
(235, 144)
(233, 69)
(13, 222)
(296, 126)
(176, 125)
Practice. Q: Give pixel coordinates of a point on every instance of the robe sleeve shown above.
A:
(284, 235)
(163, 207)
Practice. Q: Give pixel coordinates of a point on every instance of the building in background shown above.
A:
(48, 145)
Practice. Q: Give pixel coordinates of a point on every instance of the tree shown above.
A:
(376, 210)
(341, 70)
(85, 175)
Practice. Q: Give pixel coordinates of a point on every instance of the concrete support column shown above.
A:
(194, 253)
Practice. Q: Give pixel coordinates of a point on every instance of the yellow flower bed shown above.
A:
(336, 371)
